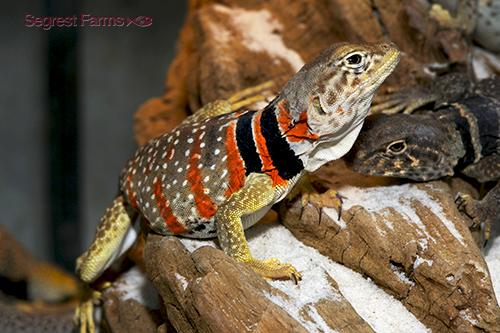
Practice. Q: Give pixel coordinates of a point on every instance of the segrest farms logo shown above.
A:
(85, 20)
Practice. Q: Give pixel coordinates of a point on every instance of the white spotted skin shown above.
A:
(165, 162)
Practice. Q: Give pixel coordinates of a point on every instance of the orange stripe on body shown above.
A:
(165, 211)
(128, 186)
(171, 151)
(131, 195)
(297, 131)
(267, 163)
(202, 201)
(234, 162)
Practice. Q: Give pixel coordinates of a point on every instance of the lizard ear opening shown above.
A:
(317, 106)
(396, 147)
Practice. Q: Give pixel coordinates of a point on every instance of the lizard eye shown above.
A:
(397, 147)
(354, 60)
(317, 106)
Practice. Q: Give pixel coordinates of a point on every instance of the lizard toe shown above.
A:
(329, 199)
(84, 312)
(469, 205)
(272, 269)
(271, 261)
(84, 317)
(462, 199)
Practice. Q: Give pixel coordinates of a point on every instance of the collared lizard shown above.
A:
(221, 171)
(458, 136)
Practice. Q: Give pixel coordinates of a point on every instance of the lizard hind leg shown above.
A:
(115, 234)
(249, 95)
(257, 193)
(486, 210)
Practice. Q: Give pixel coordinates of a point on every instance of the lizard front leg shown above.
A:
(257, 193)
(486, 210)
(448, 87)
(114, 236)
(329, 199)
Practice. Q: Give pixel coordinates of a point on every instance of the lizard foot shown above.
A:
(272, 269)
(477, 211)
(249, 95)
(329, 199)
(409, 99)
(402, 99)
(84, 312)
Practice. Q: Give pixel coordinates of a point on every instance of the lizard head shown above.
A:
(402, 145)
(334, 92)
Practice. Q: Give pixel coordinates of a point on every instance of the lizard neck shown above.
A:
(304, 149)
(462, 132)
(331, 148)
(483, 116)
(274, 153)
(455, 142)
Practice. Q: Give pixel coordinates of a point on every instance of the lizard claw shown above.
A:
(403, 99)
(461, 199)
(295, 277)
(329, 199)
(477, 211)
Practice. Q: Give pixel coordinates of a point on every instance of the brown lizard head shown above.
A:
(333, 93)
(418, 147)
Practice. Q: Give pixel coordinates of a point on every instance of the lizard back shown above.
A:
(178, 180)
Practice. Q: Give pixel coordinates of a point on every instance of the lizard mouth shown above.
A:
(389, 63)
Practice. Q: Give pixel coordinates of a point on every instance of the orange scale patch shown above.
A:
(165, 211)
(294, 131)
(130, 190)
(202, 201)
